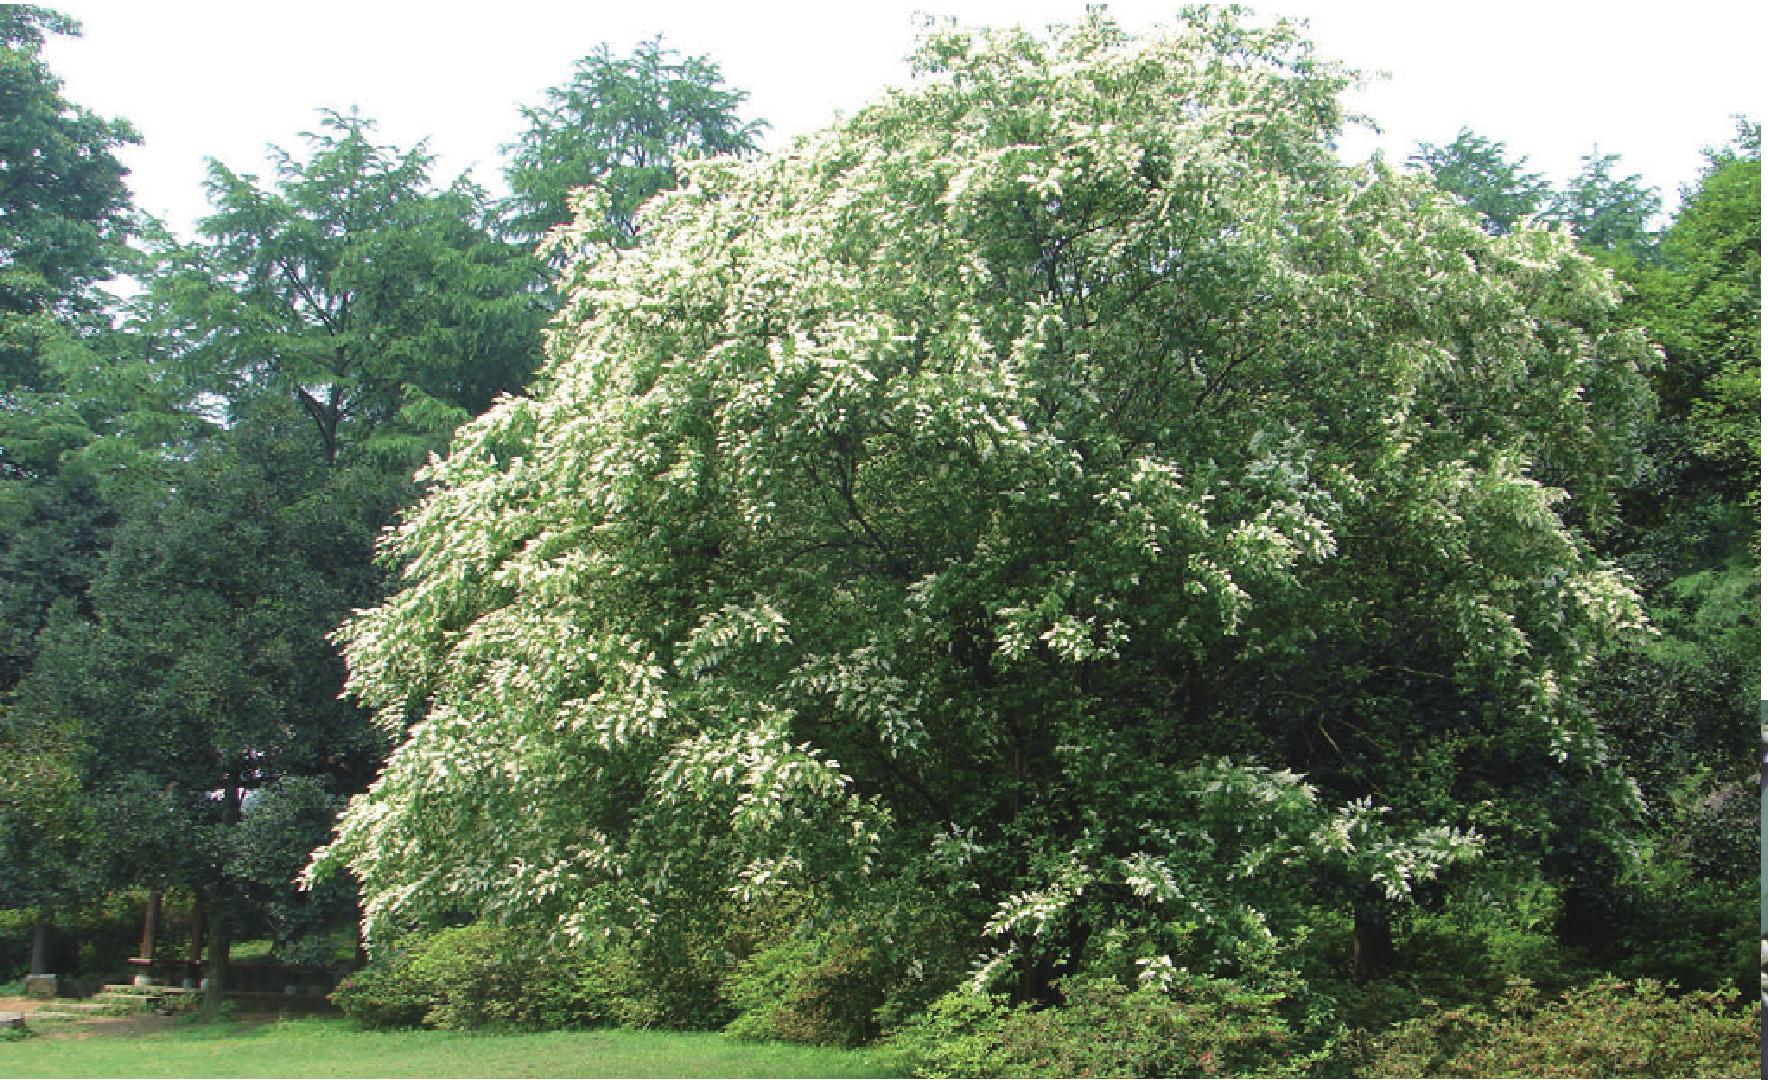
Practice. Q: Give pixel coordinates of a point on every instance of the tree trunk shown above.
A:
(220, 921)
(198, 934)
(150, 927)
(1372, 940)
(41, 938)
(220, 944)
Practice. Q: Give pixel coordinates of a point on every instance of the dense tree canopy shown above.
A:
(323, 336)
(190, 479)
(64, 216)
(1062, 567)
(63, 203)
(1015, 490)
(204, 673)
(64, 213)
(380, 302)
(1693, 532)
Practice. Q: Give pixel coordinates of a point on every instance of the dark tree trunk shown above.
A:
(220, 920)
(150, 930)
(1583, 918)
(220, 944)
(1372, 940)
(42, 937)
(199, 932)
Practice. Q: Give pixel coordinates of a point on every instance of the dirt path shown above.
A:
(100, 1025)
(83, 1027)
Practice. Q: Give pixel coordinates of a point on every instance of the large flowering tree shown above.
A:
(1065, 486)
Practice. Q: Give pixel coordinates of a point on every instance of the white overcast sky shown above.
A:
(1653, 82)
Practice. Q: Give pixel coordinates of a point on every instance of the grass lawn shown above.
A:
(329, 1047)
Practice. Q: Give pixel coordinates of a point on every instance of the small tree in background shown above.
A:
(620, 127)
(1479, 170)
(1604, 211)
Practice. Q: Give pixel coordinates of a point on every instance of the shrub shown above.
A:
(476, 976)
(1603, 1029)
(15, 941)
(957, 1035)
(823, 989)
(1202, 1027)
(384, 994)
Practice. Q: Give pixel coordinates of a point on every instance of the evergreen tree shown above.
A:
(619, 128)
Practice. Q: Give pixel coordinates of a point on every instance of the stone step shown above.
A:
(132, 990)
(129, 998)
(72, 1007)
(114, 1002)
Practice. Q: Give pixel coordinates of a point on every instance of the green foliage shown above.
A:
(379, 303)
(386, 994)
(618, 128)
(1480, 172)
(1703, 304)
(1603, 1029)
(478, 976)
(1684, 916)
(64, 219)
(64, 207)
(1020, 487)
(207, 656)
(280, 824)
(333, 326)
(1606, 212)
(956, 1035)
(1679, 705)
(473, 976)
(1202, 1027)
(839, 978)
(824, 988)
(44, 822)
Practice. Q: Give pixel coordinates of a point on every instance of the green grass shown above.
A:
(324, 1047)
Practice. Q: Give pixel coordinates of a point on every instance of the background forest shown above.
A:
(1059, 571)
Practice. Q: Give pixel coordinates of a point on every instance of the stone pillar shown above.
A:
(42, 986)
(150, 930)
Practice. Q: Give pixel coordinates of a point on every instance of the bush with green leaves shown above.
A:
(821, 988)
(1605, 1028)
(384, 994)
(1200, 1027)
(474, 976)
